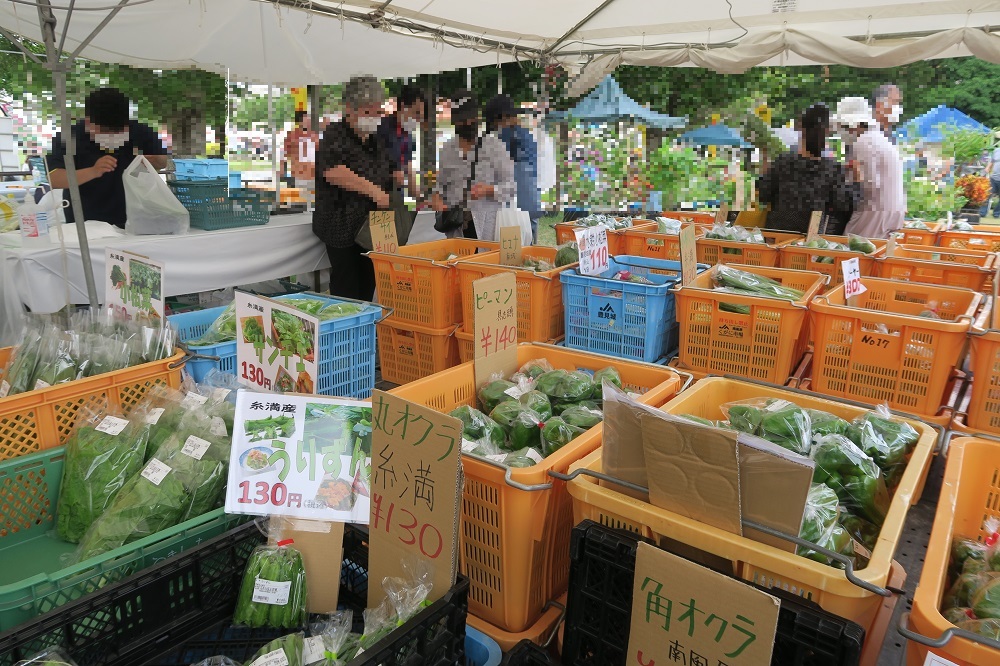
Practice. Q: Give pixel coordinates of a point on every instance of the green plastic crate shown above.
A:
(33, 579)
(214, 206)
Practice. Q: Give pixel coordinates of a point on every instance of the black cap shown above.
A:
(464, 106)
(499, 107)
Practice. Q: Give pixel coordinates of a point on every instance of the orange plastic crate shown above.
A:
(805, 259)
(566, 233)
(418, 284)
(694, 217)
(43, 419)
(921, 237)
(713, 251)
(968, 496)
(653, 244)
(408, 353)
(539, 294)
(881, 350)
(765, 344)
(983, 412)
(515, 541)
(946, 267)
(970, 240)
(754, 561)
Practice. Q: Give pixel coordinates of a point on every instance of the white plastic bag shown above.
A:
(510, 216)
(150, 206)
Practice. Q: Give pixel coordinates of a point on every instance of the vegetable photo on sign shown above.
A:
(292, 334)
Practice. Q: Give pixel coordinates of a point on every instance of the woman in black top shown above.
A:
(799, 183)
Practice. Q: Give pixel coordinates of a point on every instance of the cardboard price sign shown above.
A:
(320, 543)
(689, 254)
(415, 493)
(300, 456)
(277, 346)
(890, 245)
(495, 326)
(510, 246)
(383, 228)
(722, 216)
(852, 278)
(814, 221)
(593, 244)
(133, 285)
(687, 614)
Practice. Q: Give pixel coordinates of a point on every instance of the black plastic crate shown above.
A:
(527, 653)
(599, 609)
(159, 617)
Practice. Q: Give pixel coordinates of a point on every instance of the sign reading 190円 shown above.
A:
(301, 456)
(277, 346)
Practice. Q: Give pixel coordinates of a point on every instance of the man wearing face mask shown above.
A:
(106, 144)
(355, 175)
(397, 130)
(883, 204)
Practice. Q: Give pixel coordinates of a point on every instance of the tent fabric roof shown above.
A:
(608, 102)
(714, 135)
(928, 126)
(293, 42)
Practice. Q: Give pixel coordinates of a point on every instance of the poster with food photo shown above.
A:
(133, 286)
(300, 456)
(277, 345)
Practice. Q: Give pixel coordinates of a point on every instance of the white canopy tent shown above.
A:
(294, 42)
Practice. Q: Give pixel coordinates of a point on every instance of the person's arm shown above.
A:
(503, 188)
(151, 146)
(159, 162)
(341, 176)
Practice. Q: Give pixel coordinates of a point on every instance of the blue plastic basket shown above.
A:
(624, 319)
(346, 348)
(480, 649)
(201, 169)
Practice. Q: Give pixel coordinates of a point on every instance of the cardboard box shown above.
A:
(322, 548)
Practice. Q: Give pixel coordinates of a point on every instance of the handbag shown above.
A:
(459, 217)
(404, 223)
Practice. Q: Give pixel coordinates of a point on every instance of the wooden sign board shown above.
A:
(494, 310)
(383, 228)
(814, 221)
(689, 254)
(416, 490)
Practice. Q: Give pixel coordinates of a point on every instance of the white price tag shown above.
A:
(514, 392)
(4, 389)
(192, 400)
(933, 659)
(218, 427)
(112, 425)
(271, 592)
(777, 405)
(313, 650)
(153, 415)
(39, 384)
(468, 446)
(276, 658)
(593, 244)
(852, 278)
(155, 471)
(195, 447)
(497, 457)
(534, 455)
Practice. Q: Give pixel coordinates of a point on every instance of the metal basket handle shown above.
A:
(943, 639)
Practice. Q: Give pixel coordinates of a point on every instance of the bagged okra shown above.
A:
(734, 280)
(853, 475)
(284, 651)
(103, 453)
(332, 643)
(19, 374)
(404, 598)
(273, 592)
(48, 657)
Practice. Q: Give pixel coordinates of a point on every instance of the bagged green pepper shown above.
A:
(820, 526)
(273, 592)
(824, 423)
(887, 441)
(477, 426)
(538, 402)
(988, 628)
(557, 433)
(860, 529)
(564, 386)
(582, 417)
(854, 476)
(985, 600)
(964, 589)
(495, 392)
(958, 614)
(778, 421)
(609, 374)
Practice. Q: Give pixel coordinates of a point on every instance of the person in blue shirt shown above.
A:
(501, 117)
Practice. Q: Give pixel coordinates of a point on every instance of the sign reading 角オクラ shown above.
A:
(299, 456)
(683, 613)
(133, 285)
(277, 346)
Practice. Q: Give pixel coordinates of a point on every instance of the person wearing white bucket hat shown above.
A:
(883, 203)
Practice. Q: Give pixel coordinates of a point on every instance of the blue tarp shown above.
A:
(609, 103)
(928, 126)
(714, 135)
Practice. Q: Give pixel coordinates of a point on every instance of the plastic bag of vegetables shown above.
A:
(521, 425)
(557, 433)
(535, 368)
(778, 421)
(820, 526)
(988, 628)
(887, 441)
(477, 426)
(853, 475)
(48, 657)
(289, 647)
(567, 254)
(526, 457)
(494, 392)
(273, 592)
(332, 643)
(860, 244)
(565, 386)
(734, 280)
(19, 374)
(581, 416)
(103, 453)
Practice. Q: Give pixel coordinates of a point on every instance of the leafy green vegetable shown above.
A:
(269, 428)
(567, 254)
(252, 329)
(291, 333)
(118, 277)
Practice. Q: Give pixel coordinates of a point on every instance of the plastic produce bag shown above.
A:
(48, 657)
(556, 433)
(223, 329)
(535, 368)
(860, 244)
(526, 457)
(332, 639)
(958, 614)
(511, 216)
(273, 592)
(580, 416)
(820, 526)
(887, 441)
(988, 628)
(103, 453)
(18, 376)
(609, 374)
(150, 207)
(666, 225)
(778, 421)
(853, 475)
(824, 423)
(985, 600)
(565, 386)
(218, 661)
(291, 646)
(736, 281)
(477, 426)
(494, 392)
(861, 530)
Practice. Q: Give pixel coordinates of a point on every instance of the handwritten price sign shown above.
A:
(593, 243)
(852, 278)
(495, 325)
(383, 228)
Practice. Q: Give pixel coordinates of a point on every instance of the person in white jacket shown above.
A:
(878, 163)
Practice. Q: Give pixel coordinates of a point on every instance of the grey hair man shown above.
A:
(887, 103)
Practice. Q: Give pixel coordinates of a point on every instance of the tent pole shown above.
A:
(274, 147)
(47, 21)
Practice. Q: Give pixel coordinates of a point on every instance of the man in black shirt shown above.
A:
(354, 176)
(397, 129)
(106, 144)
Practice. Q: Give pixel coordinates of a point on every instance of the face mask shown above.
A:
(111, 141)
(467, 131)
(368, 124)
(895, 113)
(411, 125)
